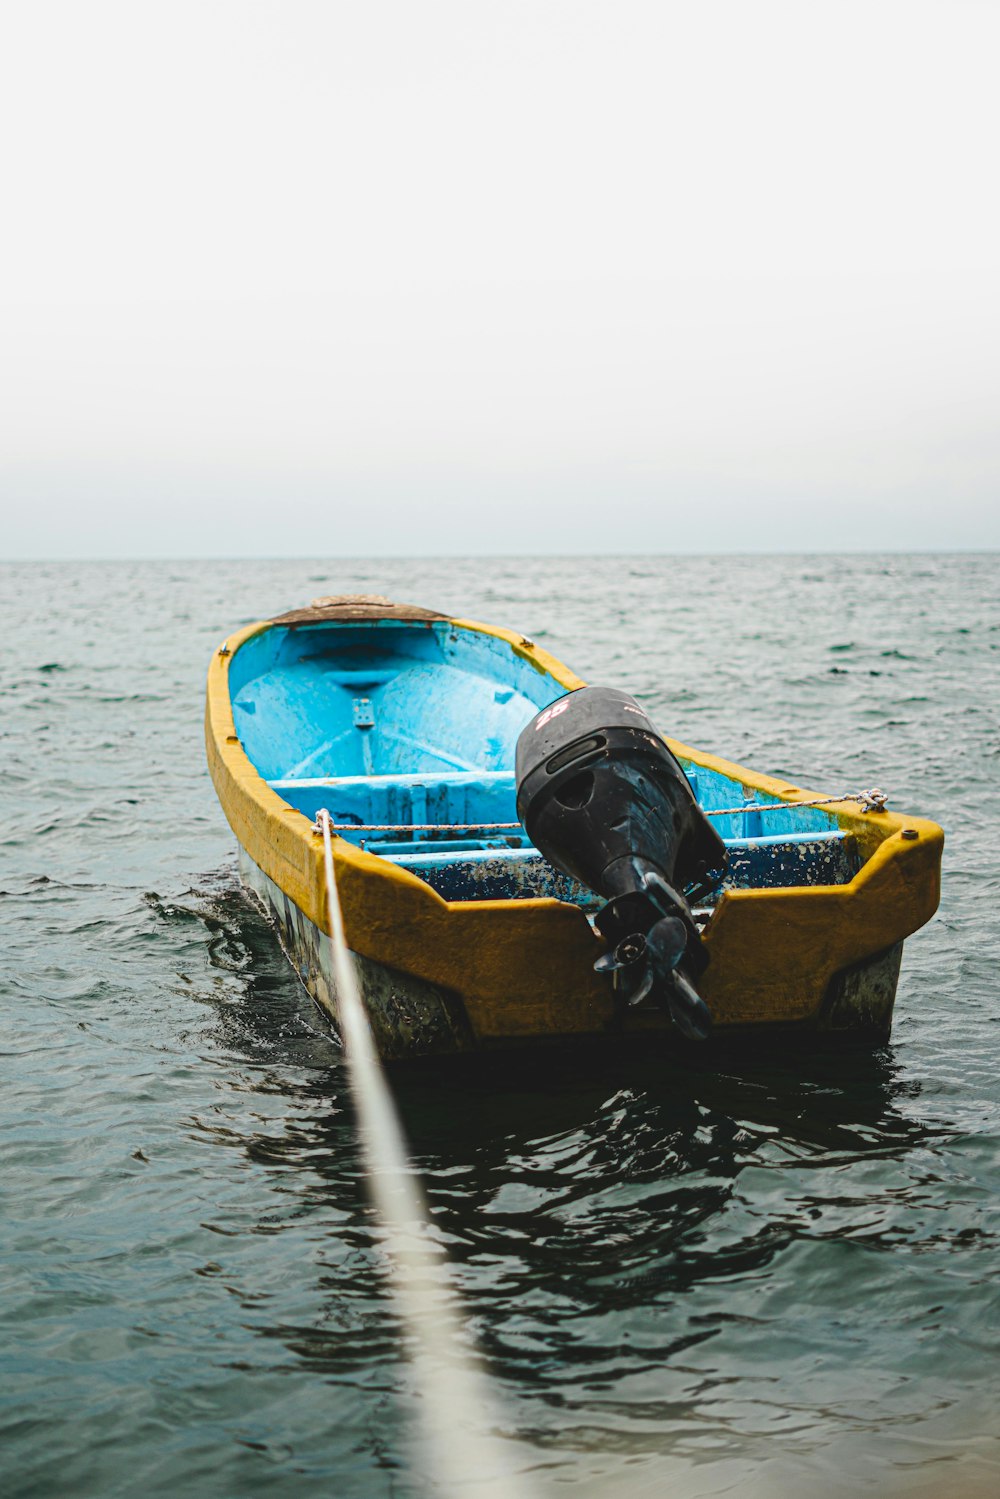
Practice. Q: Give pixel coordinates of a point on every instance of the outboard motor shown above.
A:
(604, 800)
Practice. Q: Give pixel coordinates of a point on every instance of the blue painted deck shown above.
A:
(395, 722)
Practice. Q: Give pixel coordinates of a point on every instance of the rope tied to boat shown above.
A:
(415, 827)
(872, 800)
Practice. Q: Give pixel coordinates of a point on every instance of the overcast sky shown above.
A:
(331, 279)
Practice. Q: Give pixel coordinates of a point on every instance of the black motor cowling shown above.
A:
(604, 800)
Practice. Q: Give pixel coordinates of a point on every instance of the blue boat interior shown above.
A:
(405, 732)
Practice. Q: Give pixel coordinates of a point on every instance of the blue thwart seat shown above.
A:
(447, 799)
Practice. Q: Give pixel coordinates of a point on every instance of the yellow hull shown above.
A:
(818, 957)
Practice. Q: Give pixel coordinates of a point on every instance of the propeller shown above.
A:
(688, 1010)
(629, 966)
(645, 965)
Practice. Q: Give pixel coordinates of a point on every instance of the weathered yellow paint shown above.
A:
(524, 967)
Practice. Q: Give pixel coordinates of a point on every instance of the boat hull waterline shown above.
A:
(463, 937)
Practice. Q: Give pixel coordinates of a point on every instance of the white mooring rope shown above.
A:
(460, 1418)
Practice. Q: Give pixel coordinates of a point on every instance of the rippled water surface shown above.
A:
(775, 1276)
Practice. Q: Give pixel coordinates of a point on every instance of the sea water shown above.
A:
(760, 1278)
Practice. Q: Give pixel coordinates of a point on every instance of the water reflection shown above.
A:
(618, 1186)
(573, 1192)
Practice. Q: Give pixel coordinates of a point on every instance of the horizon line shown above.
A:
(369, 557)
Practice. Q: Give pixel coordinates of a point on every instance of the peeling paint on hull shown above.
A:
(860, 999)
(408, 1016)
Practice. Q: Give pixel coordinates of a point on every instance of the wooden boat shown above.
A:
(402, 723)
